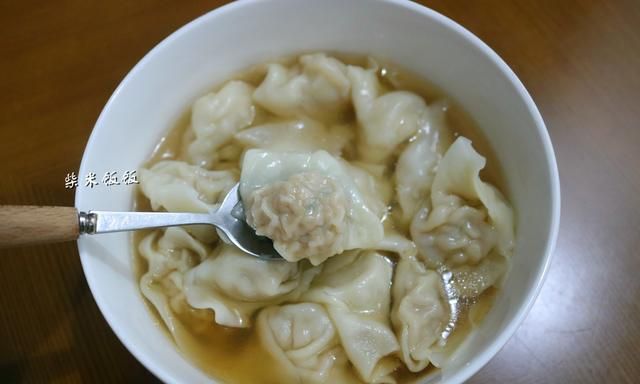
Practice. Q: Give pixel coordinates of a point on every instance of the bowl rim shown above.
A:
(478, 361)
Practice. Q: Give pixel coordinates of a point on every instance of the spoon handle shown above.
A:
(29, 224)
(105, 222)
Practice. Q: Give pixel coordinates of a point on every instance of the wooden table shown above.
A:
(580, 59)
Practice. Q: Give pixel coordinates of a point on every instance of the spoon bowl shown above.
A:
(232, 227)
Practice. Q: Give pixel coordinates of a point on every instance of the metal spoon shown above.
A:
(29, 224)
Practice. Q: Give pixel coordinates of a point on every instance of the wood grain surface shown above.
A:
(580, 59)
(30, 224)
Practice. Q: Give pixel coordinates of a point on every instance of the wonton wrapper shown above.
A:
(385, 120)
(170, 254)
(319, 89)
(216, 117)
(362, 228)
(176, 186)
(179, 187)
(454, 232)
(419, 313)
(355, 288)
(416, 166)
(470, 227)
(235, 285)
(300, 135)
(303, 340)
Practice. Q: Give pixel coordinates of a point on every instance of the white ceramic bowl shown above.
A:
(206, 51)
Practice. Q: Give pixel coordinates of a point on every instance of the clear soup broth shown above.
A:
(236, 355)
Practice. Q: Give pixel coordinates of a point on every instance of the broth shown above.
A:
(235, 355)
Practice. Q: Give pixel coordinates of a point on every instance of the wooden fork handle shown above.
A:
(28, 224)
